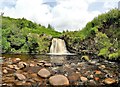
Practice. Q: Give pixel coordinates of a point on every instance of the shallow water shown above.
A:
(69, 65)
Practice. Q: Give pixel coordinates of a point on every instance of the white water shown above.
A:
(58, 47)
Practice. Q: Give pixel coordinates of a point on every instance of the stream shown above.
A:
(77, 71)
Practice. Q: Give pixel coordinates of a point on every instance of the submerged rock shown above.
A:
(20, 76)
(44, 73)
(58, 80)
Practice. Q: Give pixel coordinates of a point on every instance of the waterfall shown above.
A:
(58, 46)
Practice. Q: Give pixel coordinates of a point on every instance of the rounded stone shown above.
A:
(83, 79)
(109, 81)
(5, 71)
(58, 80)
(20, 76)
(44, 73)
(11, 66)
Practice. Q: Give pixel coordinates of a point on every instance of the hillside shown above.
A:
(24, 36)
(101, 36)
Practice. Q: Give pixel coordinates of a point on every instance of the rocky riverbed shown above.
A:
(63, 71)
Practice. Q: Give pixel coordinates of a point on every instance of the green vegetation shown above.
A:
(101, 36)
(23, 36)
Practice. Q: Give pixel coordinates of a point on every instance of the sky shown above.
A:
(60, 14)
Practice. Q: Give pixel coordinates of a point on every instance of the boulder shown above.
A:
(44, 73)
(58, 80)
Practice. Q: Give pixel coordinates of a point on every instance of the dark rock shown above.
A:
(74, 77)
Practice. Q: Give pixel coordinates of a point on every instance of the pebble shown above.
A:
(40, 64)
(91, 76)
(31, 65)
(16, 67)
(20, 76)
(102, 67)
(109, 81)
(97, 72)
(16, 60)
(44, 73)
(48, 64)
(22, 65)
(11, 66)
(5, 71)
(83, 79)
(58, 80)
(92, 83)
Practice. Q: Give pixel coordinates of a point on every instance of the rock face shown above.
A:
(109, 81)
(58, 80)
(44, 73)
(20, 76)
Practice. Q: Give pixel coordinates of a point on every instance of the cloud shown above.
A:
(62, 15)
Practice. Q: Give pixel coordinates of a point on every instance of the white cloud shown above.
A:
(67, 14)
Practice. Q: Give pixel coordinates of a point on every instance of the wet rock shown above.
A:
(97, 72)
(16, 67)
(16, 60)
(93, 62)
(48, 64)
(40, 64)
(34, 69)
(42, 61)
(81, 64)
(58, 80)
(74, 77)
(31, 65)
(20, 76)
(92, 83)
(11, 66)
(91, 76)
(109, 81)
(85, 58)
(96, 78)
(83, 79)
(44, 73)
(102, 67)
(5, 71)
(22, 65)
(9, 79)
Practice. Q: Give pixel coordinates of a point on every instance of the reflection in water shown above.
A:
(58, 59)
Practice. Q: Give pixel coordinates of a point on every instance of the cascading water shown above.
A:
(58, 46)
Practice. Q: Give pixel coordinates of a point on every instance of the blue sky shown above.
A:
(61, 14)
